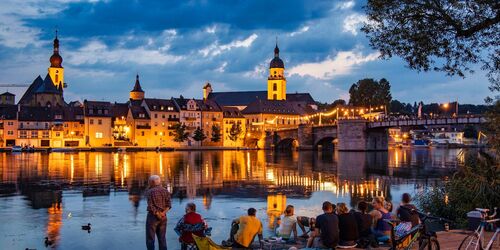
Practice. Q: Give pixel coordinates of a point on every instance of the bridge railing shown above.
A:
(432, 121)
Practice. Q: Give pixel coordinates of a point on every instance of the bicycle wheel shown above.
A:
(495, 244)
(471, 242)
(430, 243)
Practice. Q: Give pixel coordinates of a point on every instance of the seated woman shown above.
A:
(407, 215)
(348, 227)
(287, 224)
(381, 229)
(190, 223)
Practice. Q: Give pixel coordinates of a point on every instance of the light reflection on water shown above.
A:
(54, 194)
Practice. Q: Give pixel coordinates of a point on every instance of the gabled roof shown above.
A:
(277, 107)
(30, 92)
(7, 94)
(137, 111)
(27, 113)
(160, 105)
(119, 109)
(208, 105)
(231, 112)
(47, 87)
(95, 106)
(244, 98)
(8, 112)
(182, 103)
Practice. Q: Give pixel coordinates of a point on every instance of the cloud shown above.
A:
(342, 63)
(96, 52)
(222, 68)
(345, 5)
(353, 22)
(299, 31)
(216, 49)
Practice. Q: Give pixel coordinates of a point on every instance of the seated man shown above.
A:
(303, 222)
(348, 228)
(191, 223)
(364, 222)
(243, 231)
(287, 224)
(326, 232)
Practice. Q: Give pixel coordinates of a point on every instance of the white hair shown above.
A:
(154, 180)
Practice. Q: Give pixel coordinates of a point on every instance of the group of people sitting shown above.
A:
(337, 226)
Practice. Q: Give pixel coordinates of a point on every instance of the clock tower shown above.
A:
(276, 82)
(56, 70)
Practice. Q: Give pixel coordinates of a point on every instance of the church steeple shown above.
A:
(137, 93)
(56, 70)
(276, 82)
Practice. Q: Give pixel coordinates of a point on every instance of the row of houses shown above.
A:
(42, 118)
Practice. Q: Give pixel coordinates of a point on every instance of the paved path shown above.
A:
(447, 240)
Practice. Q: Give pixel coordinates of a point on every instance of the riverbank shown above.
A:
(125, 149)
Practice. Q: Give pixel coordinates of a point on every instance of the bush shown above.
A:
(475, 184)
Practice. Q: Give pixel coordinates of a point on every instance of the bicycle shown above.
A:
(474, 241)
(426, 239)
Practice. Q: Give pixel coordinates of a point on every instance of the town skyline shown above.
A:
(174, 60)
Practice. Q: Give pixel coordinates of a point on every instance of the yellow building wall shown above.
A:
(276, 77)
(57, 76)
(104, 128)
(227, 125)
(208, 120)
(160, 132)
(9, 125)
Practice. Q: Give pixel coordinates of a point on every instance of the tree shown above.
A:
(180, 133)
(339, 102)
(437, 35)
(368, 92)
(216, 135)
(235, 132)
(198, 135)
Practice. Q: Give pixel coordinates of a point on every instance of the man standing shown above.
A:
(156, 221)
(326, 232)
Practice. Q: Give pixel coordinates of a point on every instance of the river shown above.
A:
(53, 195)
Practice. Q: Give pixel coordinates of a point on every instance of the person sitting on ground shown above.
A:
(407, 211)
(303, 222)
(244, 229)
(348, 227)
(326, 231)
(379, 214)
(364, 222)
(287, 224)
(407, 215)
(191, 223)
(388, 205)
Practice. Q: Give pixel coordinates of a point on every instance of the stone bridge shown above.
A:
(351, 134)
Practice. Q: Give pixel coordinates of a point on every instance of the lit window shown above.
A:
(99, 121)
(98, 135)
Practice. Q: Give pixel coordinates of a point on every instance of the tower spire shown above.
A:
(276, 49)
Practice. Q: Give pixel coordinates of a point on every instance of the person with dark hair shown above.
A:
(326, 232)
(191, 223)
(303, 222)
(381, 229)
(159, 204)
(243, 231)
(348, 228)
(407, 211)
(364, 222)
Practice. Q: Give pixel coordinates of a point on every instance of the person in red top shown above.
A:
(191, 223)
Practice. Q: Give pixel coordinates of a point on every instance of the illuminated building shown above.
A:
(232, 119)
(98, 129)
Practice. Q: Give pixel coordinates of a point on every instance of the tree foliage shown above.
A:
(437, 35)
(180, 133)
(216, 134)
(198, 135)
(368, 92)
(476, 184)
(235, 132)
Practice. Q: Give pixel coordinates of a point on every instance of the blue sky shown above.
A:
(176, 46)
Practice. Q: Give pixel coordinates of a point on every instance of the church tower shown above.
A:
(56, 71)
(137, 93)
(276, 82)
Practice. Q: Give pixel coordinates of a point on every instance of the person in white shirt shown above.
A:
(287, 223)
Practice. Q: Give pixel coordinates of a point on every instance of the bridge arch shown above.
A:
(287, 143)
(325, 143)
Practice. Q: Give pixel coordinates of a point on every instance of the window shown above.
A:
(156, 115)
(163, 124)
(23, 134)
(34, 134)
(91, 121)
(99, 111)
(10, 132)
(10, 123)
(91, 111)
(58, 134)
(142, 133)
(275, 87)
(170, 108)
(98, 135)
(65, 125)
(156, 124)
(163, 116)
(156, 133)
(99, 121)
(45, 134)
(275, 96)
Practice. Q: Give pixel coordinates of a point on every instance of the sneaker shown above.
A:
(227, 243)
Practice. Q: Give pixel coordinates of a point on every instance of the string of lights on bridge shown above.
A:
(324, 114)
